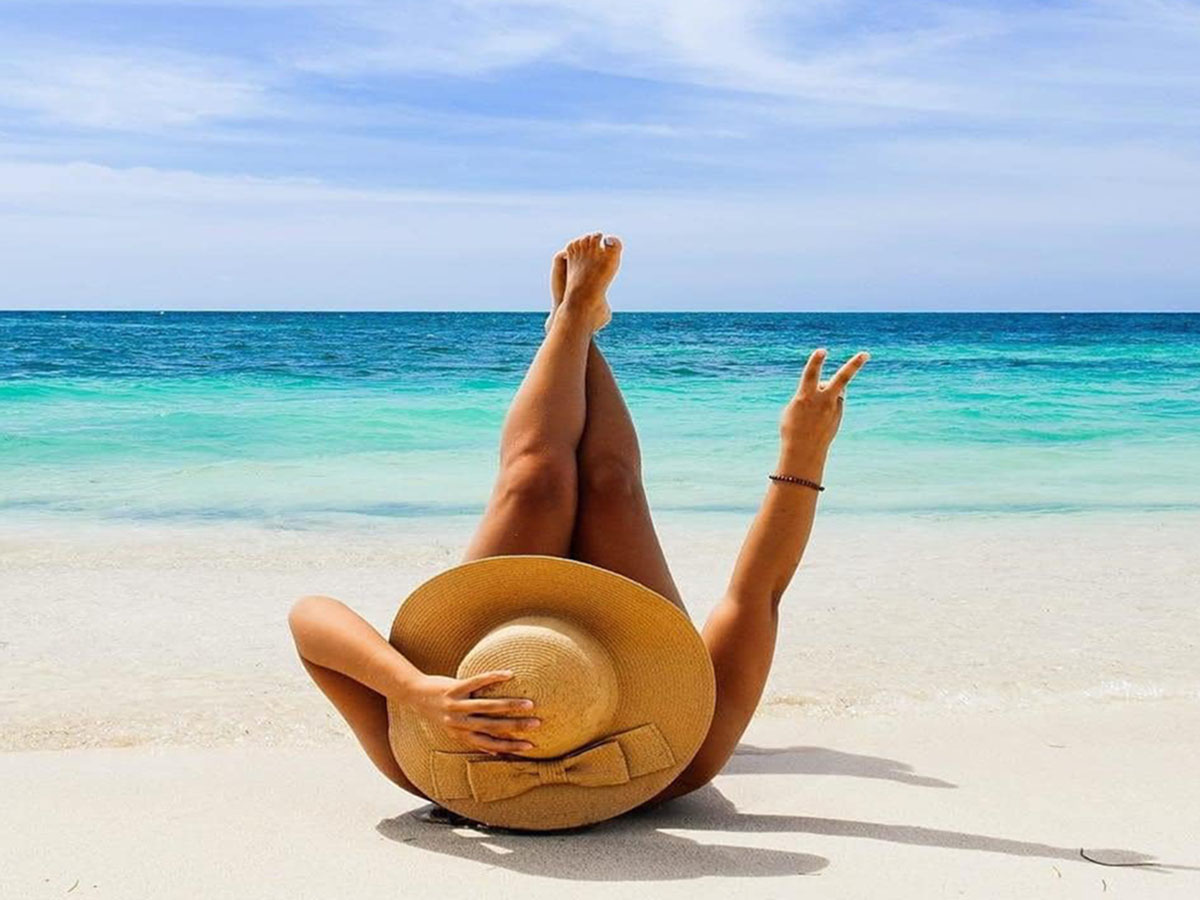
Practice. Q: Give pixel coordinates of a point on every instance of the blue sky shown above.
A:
(754, 154)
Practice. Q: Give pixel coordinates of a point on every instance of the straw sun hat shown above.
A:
(618, 675)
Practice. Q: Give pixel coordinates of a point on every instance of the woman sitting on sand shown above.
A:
(553, 679)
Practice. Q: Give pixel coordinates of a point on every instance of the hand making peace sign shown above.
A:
(811, 418)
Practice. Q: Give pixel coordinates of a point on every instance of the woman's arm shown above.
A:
(359, 671)
(740, 632)
(331, 635)
(780, 531)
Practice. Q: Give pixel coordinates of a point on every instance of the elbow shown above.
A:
(303, 615)
(756, 597)
(300, 613)
(776, 590)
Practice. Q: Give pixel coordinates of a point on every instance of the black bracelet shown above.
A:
(792, 479)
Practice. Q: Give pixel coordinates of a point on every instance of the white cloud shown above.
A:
(979, 62)
(88, 236)
(827, 154)
(125, 92)
(742, 46)
(825, 61)
(716, 44)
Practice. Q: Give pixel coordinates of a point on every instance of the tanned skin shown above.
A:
(570, 485)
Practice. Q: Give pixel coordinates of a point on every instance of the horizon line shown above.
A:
(542, 311)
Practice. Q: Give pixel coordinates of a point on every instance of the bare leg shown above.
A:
(613, 526)
(531, 511)
(532, 507)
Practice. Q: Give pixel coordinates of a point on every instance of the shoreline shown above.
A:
(120, 635)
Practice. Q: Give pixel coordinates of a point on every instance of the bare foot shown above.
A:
(590, 263)
(558, 283)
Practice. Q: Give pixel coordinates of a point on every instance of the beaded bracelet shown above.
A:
(792, 479)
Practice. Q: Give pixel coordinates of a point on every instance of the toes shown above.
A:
(593, 242)
(612, 243)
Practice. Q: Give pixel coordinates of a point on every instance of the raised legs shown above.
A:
(613, 527)
(570, 479)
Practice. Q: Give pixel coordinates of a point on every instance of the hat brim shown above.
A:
(664, 673)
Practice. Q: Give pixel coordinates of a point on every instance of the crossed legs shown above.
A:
(569, 485)
(533, 504)
(613, 526)
(570, 468)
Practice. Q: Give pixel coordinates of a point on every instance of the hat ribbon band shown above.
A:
(615, 760)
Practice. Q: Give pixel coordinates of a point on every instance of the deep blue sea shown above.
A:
(305, 419)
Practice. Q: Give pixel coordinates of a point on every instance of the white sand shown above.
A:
(116, 636)
(958, 706)
(982, 805)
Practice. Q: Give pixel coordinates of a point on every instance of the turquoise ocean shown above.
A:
(311, 420)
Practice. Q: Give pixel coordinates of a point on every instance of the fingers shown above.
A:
(468, 686)
(501, 728)
(493, 735)
(810, 380)
(489, 744)
(500, 706)
(849, 369)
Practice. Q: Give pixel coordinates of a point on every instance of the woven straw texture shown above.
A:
(612, 666)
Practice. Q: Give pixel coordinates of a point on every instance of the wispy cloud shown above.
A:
(979, 60)
(149, 238)
(822, 152)
(126, 92)
(727, 44)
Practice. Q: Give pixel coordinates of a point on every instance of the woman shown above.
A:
(569, 486)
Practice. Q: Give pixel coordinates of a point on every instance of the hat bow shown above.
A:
(613, 761)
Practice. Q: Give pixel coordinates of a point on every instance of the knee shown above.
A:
(539, 480)
(611, 476)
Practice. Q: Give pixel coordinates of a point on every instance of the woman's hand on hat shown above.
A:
(490, 725)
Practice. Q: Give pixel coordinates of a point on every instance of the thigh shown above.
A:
(614, 530)
(531, 511)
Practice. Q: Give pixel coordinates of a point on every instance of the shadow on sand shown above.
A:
(751, 760)
(639, 846)
(633, 847)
